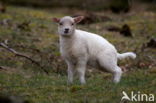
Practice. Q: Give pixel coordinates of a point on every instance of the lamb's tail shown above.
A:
(125, 55)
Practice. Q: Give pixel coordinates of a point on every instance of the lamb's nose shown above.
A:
(66, 30)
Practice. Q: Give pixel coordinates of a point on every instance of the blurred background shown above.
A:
(119, 5)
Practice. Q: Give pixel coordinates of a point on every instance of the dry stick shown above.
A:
(22, 55)
(1, 67)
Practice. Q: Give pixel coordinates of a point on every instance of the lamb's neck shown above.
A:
(67, 41)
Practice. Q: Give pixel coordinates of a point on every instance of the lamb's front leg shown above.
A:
(81, 69)
(70, 72)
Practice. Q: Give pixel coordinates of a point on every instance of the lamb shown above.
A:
(80, 48)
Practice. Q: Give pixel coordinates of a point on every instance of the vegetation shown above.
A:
(114, 5)
(32, 32)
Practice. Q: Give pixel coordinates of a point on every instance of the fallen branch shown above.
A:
(4, 68)
(125, 30)
(1, 67)
(22, 55)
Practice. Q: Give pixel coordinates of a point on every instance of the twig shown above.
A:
(1, 67)
(22, 55)
(4, 67)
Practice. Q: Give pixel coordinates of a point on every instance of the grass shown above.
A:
(41, 88)
(32, 32)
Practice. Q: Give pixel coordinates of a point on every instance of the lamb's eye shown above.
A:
(72, 24)
(60, 24)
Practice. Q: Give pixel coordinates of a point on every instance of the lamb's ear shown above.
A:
(78, 19)
(56, 20)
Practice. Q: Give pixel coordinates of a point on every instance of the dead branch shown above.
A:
(22, 55)
(1, 67)
(4, 68)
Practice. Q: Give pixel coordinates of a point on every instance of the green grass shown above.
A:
(39, 40)
(40, 88)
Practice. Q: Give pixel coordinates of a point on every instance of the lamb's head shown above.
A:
(67, 25)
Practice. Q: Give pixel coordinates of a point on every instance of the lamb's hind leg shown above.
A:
(117, 74)
(110, 65)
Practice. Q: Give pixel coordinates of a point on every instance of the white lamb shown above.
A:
(80, 48)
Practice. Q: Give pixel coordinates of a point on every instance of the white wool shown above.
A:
(80, 48)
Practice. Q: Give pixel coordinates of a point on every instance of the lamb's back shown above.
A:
(94, 42)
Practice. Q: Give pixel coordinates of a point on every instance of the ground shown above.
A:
(32, 32)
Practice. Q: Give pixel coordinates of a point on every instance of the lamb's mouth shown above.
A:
(66, 32)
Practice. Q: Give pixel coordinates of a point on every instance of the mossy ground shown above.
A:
(33, 33)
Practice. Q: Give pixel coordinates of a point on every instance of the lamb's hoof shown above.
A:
(83, 83)
(116, 81)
